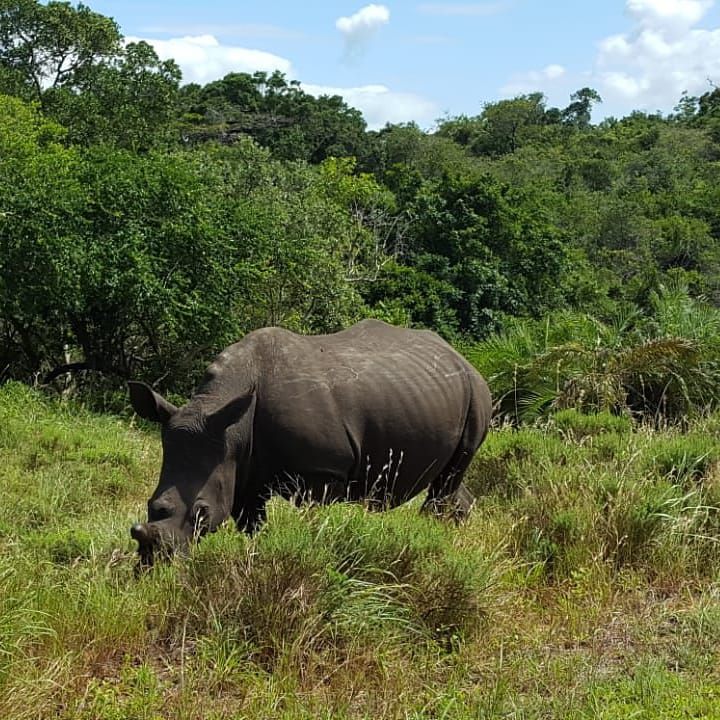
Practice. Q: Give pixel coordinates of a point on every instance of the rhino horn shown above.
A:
(141, 533)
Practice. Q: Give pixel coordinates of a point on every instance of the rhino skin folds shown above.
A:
(373, 413)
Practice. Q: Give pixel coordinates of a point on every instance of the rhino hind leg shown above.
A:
(447, 495)
(454, 504)
(461, 503)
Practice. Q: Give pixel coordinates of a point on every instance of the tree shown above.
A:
(709, 103)
(72, 61)
(148, 264)
(275, 112)
(579, 112)
(37, 184)
(502, 127)
(686, 109)
(495, 245)
(397, 152)
(132, 102)
(52, 46)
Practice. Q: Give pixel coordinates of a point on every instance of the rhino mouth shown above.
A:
(150, 543)
(156, 541)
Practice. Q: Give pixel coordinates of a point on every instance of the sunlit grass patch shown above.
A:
(652, 691)
(578, 425)
(684, 459)
(592, 555)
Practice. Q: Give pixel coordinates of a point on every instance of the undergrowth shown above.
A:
(584, 584)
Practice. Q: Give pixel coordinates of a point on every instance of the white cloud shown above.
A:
(360, 27)
(380, 105)
(623, 85)
(533, 81)
(202, 58)
(668, 13)
(463, 9)
(665, 54)
(552, 72)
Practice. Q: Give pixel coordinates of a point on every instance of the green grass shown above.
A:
(586, 584)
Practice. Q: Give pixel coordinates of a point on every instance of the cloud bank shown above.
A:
(381, 105)
(665, 54)
(358, 29)
(669, 14)
(202, 58)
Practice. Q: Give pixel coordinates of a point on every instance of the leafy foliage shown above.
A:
(275, 112)
(149, 264)
(145, 224)
(663, 364)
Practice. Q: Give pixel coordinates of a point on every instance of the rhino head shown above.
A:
(195, 491)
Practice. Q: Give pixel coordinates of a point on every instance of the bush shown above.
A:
(500, 465)
(684, 460)
(333, 577)
(659, 365)
(579, 425)
(147, 265)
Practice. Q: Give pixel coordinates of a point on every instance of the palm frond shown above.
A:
(665, 363)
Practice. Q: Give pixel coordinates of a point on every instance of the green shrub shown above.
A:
(636, 518)
(658, 365)
(685, 459)
(501, 464)
(578, 425)
(136, 695)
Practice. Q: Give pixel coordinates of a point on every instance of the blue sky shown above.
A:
(403, 60)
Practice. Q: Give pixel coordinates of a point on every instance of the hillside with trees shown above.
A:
(146, 223)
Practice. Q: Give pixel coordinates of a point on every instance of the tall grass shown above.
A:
(584, 584)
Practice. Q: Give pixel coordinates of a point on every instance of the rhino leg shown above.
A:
(455, 504)
(463, 502)
(251, 517)
(447, 495)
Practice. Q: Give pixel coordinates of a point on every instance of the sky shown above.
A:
(410, 60)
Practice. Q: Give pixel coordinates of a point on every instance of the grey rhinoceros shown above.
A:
(374, 413)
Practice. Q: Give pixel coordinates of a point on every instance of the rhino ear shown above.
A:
(148, 404)
(229, 414)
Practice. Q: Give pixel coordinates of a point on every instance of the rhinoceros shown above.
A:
(374, 413)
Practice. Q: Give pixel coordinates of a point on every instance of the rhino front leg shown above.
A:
(252, 517)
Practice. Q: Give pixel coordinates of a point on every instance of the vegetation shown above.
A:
(145, 224)
(584, 585)
(659, 364)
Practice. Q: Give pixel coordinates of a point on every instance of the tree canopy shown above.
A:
(145, 223)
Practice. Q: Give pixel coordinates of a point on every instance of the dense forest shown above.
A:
(146, 223)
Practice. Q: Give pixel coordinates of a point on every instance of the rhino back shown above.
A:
(369, 402)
